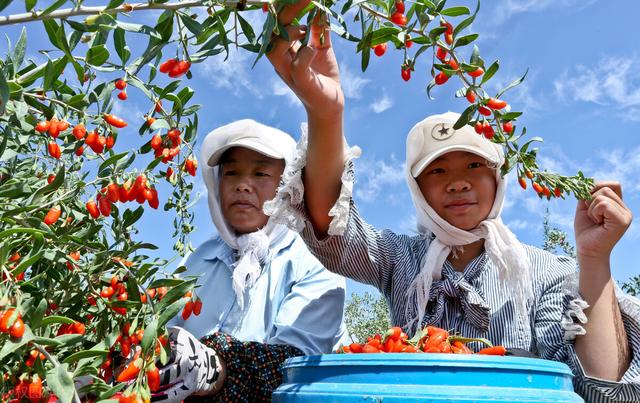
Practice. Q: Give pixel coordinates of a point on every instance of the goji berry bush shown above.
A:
(80, 294)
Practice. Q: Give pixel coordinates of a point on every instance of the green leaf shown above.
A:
(114, 4)
(166, 314)
(61, 383)
(513, 84)
(130, 217)
(464, 40)
(111, 161)
(4, 4)
(29, 4)
(465, 117)
(53, 7)
(50, 320)
(510, 115)
(165, 25)
(36, 317)
(490, 72)
(191, 24)
(475, 56)
(51, 27)
(32, 259)
(12, 231)
(85, 354)
(173, 85)
(364, 62)
(455, 11)
(185, 95)
(18, 52)
(165, 282)
(3, 145)
(102, 398)
(120, 44)
(378, 36)
(4, 92)
(267, 29)
(247, 29)
(97, 55)
(429, 88)
(150, 334)
(48, 188)
(138, 28)
(466, 22)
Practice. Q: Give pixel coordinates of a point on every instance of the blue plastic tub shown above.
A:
(424, 378)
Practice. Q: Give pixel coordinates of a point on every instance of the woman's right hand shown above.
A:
(311, 71)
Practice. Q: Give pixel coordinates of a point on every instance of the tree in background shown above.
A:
(555, 238)
(366, 315)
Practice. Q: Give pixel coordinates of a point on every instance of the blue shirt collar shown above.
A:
(226, 254)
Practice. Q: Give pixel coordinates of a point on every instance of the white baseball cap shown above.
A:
(435, 136)
(249, 134)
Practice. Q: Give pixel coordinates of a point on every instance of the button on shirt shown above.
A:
(294, 301)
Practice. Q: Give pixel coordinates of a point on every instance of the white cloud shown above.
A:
(234, 73)
(127, 111)
(622, 166)
(382, 103)
(521, 225)
(376, 175)
(408, 225)
(352, 83)
(613, 81)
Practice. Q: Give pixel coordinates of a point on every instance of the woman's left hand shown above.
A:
(601, 222)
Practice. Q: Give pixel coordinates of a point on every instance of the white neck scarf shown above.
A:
(255, 249)
(501, 245)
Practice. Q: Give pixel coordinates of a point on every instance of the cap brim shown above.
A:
(245, 143)
(423, 163)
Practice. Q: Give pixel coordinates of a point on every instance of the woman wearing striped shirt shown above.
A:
(465, 271)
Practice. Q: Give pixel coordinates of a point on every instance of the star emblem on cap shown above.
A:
(442, 132)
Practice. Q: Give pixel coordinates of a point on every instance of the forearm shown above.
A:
(325, 164)
(604, 350)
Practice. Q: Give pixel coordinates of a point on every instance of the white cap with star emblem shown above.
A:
(435, 136)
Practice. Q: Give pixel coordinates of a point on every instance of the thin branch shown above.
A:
(125, 8)
(53, 100)
(386, 17)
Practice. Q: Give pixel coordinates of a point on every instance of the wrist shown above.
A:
(325, 116)
(590, 263)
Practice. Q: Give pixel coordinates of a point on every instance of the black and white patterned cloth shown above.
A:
(193, 368)
(473, 304)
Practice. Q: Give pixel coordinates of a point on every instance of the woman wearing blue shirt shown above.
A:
(265, 297)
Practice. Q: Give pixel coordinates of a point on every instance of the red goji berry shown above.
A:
(380, 49)
(54, 150)
(476, 73)
(494, 103)
(399, 18)
(52, 215)
(441, 78)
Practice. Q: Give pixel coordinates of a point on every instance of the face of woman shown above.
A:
(460, 187)
(247, 180)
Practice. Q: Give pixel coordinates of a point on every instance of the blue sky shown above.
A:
(582, 95)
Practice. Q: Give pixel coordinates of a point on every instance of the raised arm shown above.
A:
(312, 73)
(599, 224)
